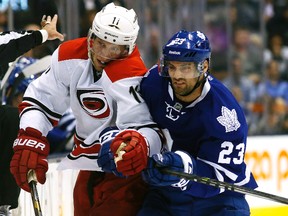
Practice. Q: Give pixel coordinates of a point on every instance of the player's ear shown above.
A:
(205, 65)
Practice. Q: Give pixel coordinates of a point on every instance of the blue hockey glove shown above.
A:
(105, 156)
(177, 161)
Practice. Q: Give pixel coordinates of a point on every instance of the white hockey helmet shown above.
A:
(116, 25)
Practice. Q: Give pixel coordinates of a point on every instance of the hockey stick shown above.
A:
(226, 186)
(32, 180)
(7, 74)
(37, 67)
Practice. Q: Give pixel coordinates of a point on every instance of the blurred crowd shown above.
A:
(256, 69)
(249, 41)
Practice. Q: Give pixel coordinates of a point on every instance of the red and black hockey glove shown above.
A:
(131, 151)
(30, 152)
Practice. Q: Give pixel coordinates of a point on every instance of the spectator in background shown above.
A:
(247, 51)
(273, 86)
(275, 119)
(277, 51)
(246, 13)
(150, 31)
(242, 87)
(151, 49)
(237, 79)
(268, 90)
(218, 34)
(278, 24)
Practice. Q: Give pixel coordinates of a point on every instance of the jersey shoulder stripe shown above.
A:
(131, 66)
(73, 49)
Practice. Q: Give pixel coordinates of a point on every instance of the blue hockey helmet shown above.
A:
(17, 83)
(186, 46)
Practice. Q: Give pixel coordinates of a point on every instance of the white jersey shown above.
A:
(96, 103)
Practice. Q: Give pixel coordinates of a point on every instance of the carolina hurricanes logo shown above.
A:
(94, 103)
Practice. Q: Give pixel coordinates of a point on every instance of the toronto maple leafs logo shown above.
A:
(173, 112)
(229, 119)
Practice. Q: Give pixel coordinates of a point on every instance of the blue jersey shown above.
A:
(212, 129)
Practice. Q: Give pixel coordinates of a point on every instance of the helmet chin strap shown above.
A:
(197, 85)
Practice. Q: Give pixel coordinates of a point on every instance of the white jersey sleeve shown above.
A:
(46, 98)
(132, 111)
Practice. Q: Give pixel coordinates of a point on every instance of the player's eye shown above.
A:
(185, 69)
(171, 68)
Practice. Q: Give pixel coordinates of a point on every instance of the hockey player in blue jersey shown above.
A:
(208, 133)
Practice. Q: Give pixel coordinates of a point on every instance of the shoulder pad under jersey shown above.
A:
(131, 66)
(73, 49)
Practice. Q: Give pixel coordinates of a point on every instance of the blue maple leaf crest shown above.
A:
(229, 119)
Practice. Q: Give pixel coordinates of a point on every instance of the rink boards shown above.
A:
(267, 157)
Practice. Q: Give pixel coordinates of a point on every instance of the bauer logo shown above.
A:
(29, 142)
(174, 52)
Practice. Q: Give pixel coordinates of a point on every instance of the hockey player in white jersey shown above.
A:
(95, 76)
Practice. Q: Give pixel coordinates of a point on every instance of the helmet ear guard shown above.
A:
(200, 67)
(163, 68)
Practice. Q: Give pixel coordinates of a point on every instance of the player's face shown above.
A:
(103, 52)
(184, 76)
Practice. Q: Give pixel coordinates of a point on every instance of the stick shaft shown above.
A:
(32, 179)
(35, 198)
(227, 186)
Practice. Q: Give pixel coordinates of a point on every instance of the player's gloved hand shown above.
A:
(30, 152)
(131, 151)
(177, 161)
(105, 156)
